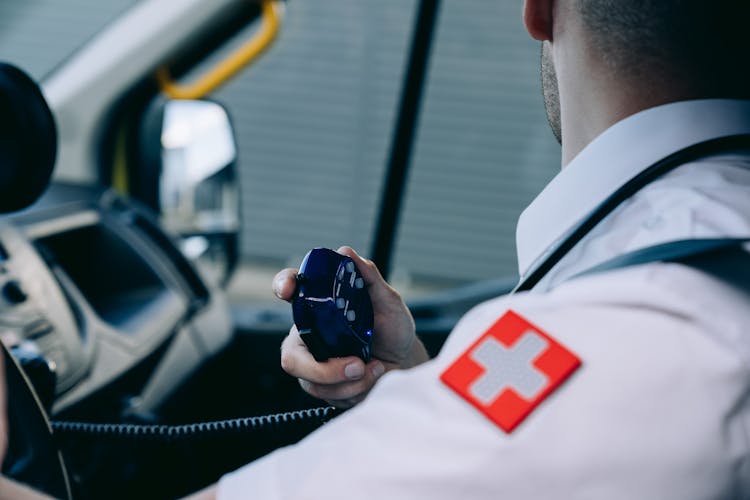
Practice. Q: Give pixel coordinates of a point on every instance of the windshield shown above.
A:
(314, 120)
(38, 35)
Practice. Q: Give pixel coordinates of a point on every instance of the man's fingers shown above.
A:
(345, 381)
(380, 291)
(284, 284)
(346, 392)
(367, 267)
(338, 403)
(297, 361)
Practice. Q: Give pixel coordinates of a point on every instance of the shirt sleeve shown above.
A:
(655, 411)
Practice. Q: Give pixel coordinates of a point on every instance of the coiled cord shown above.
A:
(310, 418)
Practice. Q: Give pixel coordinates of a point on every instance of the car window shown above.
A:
(38, 35)
(483, 150)
(314, 119)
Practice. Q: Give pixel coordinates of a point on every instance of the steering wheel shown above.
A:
(32, 457)
(28, 145)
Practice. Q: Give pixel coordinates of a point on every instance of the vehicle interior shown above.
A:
(157, 175)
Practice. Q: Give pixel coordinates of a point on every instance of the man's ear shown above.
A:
(537, 16)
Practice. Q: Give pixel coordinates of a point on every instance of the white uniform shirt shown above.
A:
(658, 408)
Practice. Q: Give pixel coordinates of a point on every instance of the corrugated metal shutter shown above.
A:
(314, 118)
(484, 147)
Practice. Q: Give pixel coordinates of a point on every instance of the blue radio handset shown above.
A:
(331, 306)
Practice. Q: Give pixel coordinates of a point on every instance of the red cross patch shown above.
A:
(510, 370)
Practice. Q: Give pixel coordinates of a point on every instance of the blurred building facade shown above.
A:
(314, 121)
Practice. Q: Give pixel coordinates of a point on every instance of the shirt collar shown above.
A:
(613, 158)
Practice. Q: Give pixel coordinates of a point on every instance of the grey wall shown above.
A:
(484, 147)
(315, 124)
(314, 119)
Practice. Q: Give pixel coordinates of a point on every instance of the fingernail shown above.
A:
(354, 371)
(378, 369)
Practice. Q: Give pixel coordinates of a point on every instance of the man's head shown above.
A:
(655, 51)
(702, 42)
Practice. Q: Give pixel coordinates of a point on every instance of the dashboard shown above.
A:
(91, 285)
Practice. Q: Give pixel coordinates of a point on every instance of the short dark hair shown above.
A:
(700, 40)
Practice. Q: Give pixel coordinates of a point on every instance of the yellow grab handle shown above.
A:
(227, 68)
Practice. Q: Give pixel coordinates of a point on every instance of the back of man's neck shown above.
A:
(593, 109)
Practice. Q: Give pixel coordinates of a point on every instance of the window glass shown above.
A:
(37, 35)
(313, 119)
(315, 116)
(483, 151)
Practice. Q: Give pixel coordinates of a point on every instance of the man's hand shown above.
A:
(344, 382)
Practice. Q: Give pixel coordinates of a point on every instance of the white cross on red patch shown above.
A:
(510, 370)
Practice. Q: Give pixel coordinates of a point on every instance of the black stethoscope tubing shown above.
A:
(691, 153)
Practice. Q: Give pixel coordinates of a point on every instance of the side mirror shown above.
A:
(189, 177)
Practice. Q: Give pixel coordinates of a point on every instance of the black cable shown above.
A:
(313, 417)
